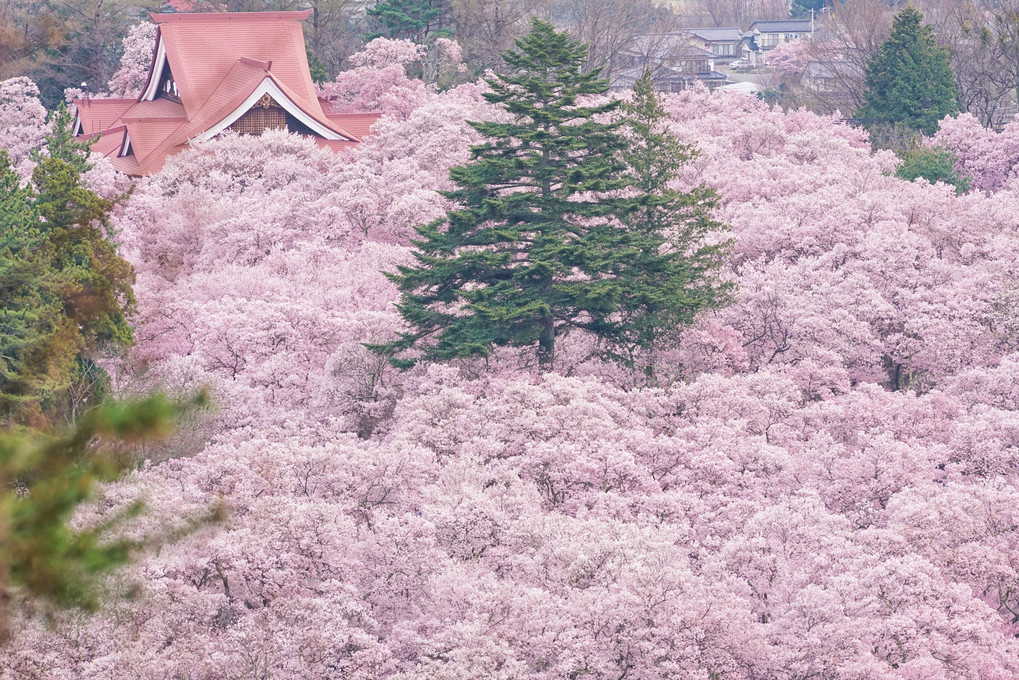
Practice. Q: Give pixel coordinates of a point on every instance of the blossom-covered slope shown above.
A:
(827, 490)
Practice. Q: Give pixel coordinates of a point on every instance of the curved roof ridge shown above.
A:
(212, 17)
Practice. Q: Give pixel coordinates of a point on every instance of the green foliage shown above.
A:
(61, 143)
(934, 164)
(45, 477)
(529, 254)
(32, 327)
(66, 293)
(801, 8)
(319, 73)
(673, 271)
(543, 240)
(408, 19)
(910, 81)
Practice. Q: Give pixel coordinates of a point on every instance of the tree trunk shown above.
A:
(546, 344)
(5, 566)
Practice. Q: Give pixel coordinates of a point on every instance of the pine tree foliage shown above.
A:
(32, 328)
(45, 477)
(675, 271)
(61, 143)
(529, 253)
(910, 80)
(544, 240)
(66, 292)
(407, 19)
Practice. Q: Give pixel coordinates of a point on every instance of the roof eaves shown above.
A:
(152, 64)
(323, 119)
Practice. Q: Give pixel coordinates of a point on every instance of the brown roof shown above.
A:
(203, 48)
(220, 63)
(358, 124)
(100, 114)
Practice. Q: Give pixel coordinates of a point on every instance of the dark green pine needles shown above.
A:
(547, 236)
(910, 80)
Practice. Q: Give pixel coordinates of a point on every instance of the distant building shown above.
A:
(675, 64)
(769, 34)
(724, 43)
(747, 88)
(246, 72)
(765, 35)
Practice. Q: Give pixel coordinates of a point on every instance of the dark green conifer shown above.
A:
(61, 143)
(529, 253)
(407, 19)
(545, 238)
(910, 80)
(674, 272)
(66, 293)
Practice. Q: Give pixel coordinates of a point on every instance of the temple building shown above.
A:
(246, 72)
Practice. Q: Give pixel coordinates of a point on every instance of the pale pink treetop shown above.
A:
(790, 58)
(22, 121)
(139, 45)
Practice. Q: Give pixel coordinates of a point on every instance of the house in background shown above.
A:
(769, 34)
(675, 64)
(724, 43)
(765, 35)
(245, 72)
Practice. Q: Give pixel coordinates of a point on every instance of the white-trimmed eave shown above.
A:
(269, 87)
(125, 146)
(156, 75)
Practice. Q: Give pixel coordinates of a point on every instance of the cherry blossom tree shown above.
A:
(139, 44)
(23, 123)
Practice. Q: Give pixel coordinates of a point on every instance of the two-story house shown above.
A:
(724, 43)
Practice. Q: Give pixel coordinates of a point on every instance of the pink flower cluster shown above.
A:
(22, 121)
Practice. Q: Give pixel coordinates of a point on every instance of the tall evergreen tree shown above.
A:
(66, 293)
(33, 329)
(675, 270)
(529, 253)
(910, 81)
(544, 239)
(61, 143)
(408, 19)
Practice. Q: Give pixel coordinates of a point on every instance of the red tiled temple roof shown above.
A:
(221, 65)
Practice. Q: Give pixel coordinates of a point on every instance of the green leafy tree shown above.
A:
(45, 477)
(674, 272)
(66, 291)
(934, 164)
(910, 81)
(544, 239)
(408, 19)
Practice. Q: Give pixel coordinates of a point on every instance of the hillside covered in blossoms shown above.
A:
(820, 481)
